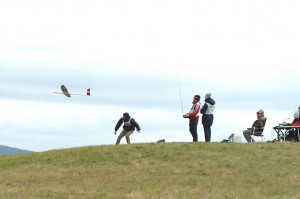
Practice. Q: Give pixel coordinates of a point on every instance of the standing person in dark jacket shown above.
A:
(208, 117)
(128, 128)
(193, 115)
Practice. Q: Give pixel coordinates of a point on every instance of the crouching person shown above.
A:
(128, 128)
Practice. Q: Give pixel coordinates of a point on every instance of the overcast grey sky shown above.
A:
(131, 53)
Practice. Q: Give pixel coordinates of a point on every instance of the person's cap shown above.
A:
(260, 111)
(197, 97)
(207, 95)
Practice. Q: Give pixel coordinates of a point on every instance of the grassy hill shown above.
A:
(164, 170)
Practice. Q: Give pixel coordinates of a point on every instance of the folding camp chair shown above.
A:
(258, 132)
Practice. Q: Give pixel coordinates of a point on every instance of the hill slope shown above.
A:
(165, 170)
(6, 150)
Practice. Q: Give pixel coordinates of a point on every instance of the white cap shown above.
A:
(296, 114)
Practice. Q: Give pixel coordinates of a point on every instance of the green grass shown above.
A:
(163, 170)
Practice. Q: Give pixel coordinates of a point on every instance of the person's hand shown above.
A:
(115, 132)
(185, 115)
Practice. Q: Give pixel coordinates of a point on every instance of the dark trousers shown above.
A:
(193, 129)
(293, 135)
(207, 133)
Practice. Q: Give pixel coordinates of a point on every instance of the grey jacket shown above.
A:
(260, 122)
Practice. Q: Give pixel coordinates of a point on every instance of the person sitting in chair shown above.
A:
(293, 134)
(259, 123)
(296, 120)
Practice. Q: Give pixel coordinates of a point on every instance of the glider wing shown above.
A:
(65, 91)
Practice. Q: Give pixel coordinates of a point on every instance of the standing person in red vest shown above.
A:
(193, 115)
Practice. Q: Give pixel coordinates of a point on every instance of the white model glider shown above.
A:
(66, 92)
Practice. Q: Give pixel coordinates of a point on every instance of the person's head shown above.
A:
(207, 95)
(260, 112)
(126, 116)
(296, 114)
(196, 98)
